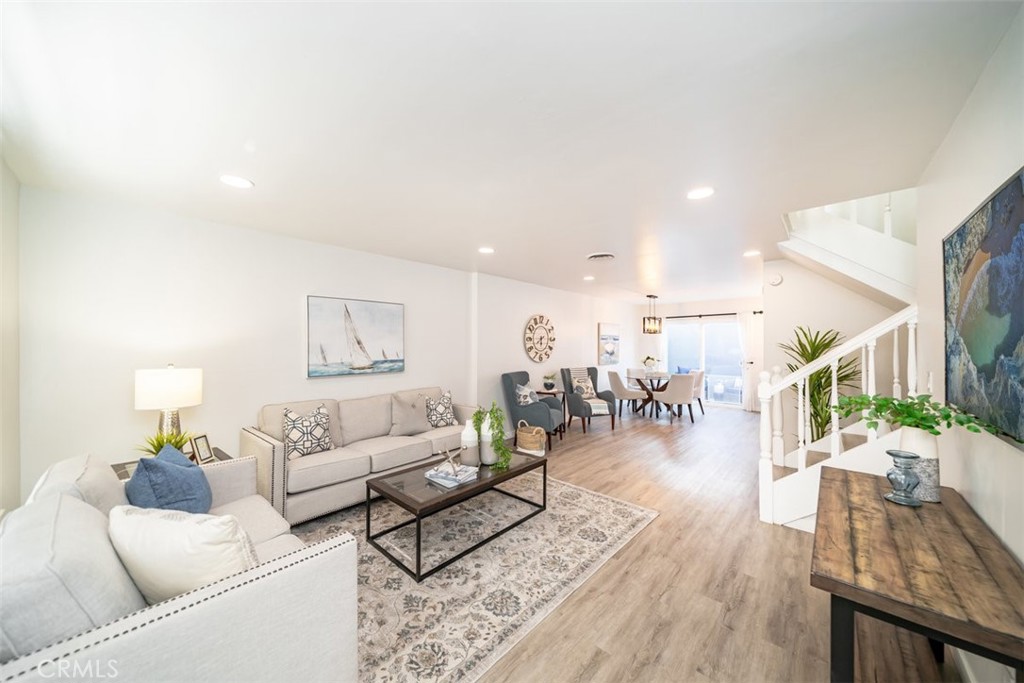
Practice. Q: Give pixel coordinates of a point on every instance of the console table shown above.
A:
(937, 570)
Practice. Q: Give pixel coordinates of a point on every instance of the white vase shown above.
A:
(487, 454)
(925, 445)
(470, 446)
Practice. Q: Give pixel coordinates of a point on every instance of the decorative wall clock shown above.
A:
(539, 338)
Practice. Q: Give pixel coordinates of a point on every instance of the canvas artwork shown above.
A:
(608, 343)
(354, 337)
(984, 286)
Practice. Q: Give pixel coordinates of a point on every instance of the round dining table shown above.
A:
(650, 382)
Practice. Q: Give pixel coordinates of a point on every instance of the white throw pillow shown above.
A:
(169, 552)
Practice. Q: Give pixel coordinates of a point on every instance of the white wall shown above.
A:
(505, 306)
(9, 357)
(109, 288)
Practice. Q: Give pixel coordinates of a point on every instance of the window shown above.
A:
(714, 346)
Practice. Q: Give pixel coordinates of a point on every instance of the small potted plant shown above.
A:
(493, 449)
(549, 381)
(156, 442)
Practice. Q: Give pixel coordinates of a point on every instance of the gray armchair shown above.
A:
(579, 407)
(545, 413)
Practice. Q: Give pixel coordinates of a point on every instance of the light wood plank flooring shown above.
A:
(706, 592)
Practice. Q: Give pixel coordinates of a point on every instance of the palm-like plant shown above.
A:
(808, 346)
(155, 443)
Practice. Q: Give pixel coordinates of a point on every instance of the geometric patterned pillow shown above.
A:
(441, 413)
(305, 435)
(525, 395)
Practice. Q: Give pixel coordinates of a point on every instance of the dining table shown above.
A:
(650, 382)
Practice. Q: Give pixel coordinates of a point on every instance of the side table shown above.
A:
(124, 470)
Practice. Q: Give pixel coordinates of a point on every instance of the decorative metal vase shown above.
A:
(549, 385)
(903, 478)
(926, 446)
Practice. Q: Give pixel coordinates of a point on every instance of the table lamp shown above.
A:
(167, 390)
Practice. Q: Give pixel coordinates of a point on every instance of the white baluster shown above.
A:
(764, 466)
(912, 357)
(897, 390)
(778, 444)
(872, 433)
(863, 372)
(834, 446)
(801, 434)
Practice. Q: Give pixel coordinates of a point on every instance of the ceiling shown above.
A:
(544, 130)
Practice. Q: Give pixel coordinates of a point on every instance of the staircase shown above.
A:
(788, 482)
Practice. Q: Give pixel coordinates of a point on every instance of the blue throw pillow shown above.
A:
(681, 370)
(169, 481)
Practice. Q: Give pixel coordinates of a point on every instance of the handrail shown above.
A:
(849, 346)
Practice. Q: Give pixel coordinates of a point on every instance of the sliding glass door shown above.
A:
(712, 345)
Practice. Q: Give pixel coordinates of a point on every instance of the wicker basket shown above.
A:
(530, 438)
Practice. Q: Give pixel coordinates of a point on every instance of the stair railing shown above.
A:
(772, 385)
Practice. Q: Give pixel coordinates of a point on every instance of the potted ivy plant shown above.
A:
(493, 449)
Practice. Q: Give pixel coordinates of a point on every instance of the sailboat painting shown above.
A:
(342, 332)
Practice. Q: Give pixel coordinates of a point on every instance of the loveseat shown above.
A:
(70, 609)
(369, 436)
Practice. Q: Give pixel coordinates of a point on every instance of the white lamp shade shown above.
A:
(168, 388)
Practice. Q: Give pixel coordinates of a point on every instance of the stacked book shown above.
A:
(443, 475)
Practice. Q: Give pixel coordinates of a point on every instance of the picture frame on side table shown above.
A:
(202, 451)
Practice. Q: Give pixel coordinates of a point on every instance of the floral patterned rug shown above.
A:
(457, 623)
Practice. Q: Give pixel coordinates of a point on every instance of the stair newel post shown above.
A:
(801, 428)
(872, 433)
(778, 445)
(764, 465)
(897, 390)
(912, 357)
(834, 445)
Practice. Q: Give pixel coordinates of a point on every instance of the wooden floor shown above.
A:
(706, 592)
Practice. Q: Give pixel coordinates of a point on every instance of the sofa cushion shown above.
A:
(393, 451)
(87, 478)
(306, 434)
(364, 418)
(323, 469)
(443, 438)
(59, 575)
(259, 519)
(441, 412)
(169, 481)
(170, 552)
(278, 546)
(408, 415)
(270, 420)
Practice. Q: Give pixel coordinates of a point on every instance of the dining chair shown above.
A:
(679, 392)
(698, 388)
(624, 393)
(632, 374)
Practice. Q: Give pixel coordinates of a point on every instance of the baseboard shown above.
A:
(975, 669)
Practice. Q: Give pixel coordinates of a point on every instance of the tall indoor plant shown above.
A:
(806, 347)
(493, 451)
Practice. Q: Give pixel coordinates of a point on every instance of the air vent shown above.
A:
(601, 256)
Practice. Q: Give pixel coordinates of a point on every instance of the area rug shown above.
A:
(457, 623)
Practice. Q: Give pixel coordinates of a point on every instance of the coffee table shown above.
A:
(413, 492)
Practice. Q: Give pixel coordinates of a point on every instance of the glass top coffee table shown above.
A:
(413, 492)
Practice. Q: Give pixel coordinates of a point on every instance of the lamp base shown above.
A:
(169, 423)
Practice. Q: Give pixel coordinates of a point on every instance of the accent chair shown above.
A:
(580, 407)
(546, 413)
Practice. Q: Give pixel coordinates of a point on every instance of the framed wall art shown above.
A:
(608, 336)
(354, 337)
(983, 274)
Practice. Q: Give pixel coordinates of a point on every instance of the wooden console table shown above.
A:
(937, 570)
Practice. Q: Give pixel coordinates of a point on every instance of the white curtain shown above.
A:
(751, 327)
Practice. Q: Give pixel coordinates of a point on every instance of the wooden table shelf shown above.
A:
(937, 570)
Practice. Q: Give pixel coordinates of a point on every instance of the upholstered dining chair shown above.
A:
(623, 393)
(603, 402)
(545, 413)
(698, 388)
(631, 376)
(679, 392)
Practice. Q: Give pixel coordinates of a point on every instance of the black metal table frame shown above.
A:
(843, 614)
(418, 575)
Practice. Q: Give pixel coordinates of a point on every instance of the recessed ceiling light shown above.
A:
(600, 256)
(486, 250)
(588, 278)
(751, 252)
(237, 181)
(700, 193)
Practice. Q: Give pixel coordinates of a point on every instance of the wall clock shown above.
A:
(539, 338)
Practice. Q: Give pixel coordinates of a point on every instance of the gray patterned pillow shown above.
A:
(525, 395)
(441, 413)
(584, 387)
(306, 434)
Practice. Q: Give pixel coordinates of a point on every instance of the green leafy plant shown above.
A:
(495, 418)
(808, 346)
(914, 411)
(161, 439)
(649, 358)
(550, 377)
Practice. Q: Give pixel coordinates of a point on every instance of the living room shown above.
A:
(103, 278)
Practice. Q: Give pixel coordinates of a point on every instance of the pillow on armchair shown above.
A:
(584, 387)
(525, 395)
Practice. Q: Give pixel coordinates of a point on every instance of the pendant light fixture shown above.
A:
(652, 323)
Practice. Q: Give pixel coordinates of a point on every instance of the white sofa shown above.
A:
(366, 444)
(71, 611)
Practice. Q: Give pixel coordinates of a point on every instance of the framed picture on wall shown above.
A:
(608, 336)
(354, 337)
(201, 450)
